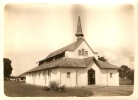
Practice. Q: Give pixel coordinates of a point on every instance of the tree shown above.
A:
(102, 59)
(7, 67)
(131, 76)
(123, 71)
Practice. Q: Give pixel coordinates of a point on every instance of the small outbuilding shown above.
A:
(21, 77)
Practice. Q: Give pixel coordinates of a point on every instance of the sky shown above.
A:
(32, 31)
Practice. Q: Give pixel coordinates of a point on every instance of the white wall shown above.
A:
(102, 76)
(107, 80)
(114, 80)
(69, 82)
(75, 53)
(81, 77)
(41, 77)
(77, 77)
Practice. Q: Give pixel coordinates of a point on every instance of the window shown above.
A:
(79, 52)
(86, 53)
(110, 75)
(49, 73)
(83, 52)
(68, 74)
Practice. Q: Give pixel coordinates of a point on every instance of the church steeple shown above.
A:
(79, 33)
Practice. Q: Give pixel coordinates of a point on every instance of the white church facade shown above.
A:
(74, 65)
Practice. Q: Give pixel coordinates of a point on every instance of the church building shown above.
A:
(74, 65)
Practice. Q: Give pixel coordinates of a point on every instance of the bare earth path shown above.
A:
(122, 90)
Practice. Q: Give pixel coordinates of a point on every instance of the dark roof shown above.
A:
(70, 47)
(73, 63)
(104, 65)
(88, 60)
(65, 62)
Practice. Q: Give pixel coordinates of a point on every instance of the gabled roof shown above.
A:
(51, 64)
(104, 65)
(70, 47)
(73, 63)
(88, 60)
(65, 62)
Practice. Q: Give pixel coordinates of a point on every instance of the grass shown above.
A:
(125, 81)
(18, 89)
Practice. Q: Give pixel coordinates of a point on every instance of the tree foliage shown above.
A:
(102, 59)
(131, 76)
(124, 71)
(7, 67)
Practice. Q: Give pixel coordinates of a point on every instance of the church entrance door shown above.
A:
(91, 76)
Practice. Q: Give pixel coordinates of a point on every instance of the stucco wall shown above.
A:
(41, 77)
(78, 76)
(114, 80)
(75, 53)
(102, 76)
(97, 73)
(106, 79)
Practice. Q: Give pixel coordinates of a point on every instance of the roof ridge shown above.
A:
(95, 60)
(90, 47)
(73, 45)
(76, 43)
(60, 49)
(87, 58)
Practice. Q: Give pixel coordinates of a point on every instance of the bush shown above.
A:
(46, 88)
(54, 86)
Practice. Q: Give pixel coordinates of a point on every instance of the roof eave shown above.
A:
(71, 67)
(90, 47)
(43, 69)
(109, 68)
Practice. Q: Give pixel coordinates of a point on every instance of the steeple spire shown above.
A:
(79, 33)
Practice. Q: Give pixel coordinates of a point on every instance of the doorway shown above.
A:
(91, 76)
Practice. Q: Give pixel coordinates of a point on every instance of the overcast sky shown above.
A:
(31, 32)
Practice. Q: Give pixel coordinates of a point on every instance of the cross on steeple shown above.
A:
(79, 33)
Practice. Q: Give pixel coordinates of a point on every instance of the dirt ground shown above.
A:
(122, 90)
